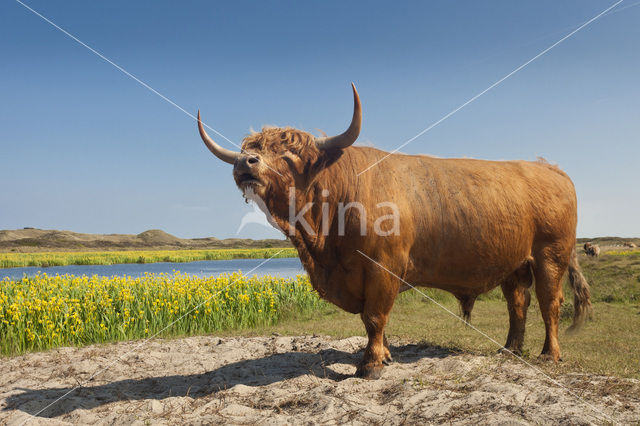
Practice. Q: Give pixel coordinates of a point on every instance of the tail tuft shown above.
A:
(582, 308)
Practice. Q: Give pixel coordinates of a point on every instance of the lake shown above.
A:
(286, 268)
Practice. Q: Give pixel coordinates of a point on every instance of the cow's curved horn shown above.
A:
(224, 154)
(351, 134)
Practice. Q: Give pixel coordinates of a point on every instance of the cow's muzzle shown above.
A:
(245, 170)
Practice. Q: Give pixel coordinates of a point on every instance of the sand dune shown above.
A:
(32, 240)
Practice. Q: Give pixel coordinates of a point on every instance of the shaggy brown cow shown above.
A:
(465, 226)
(591, 250)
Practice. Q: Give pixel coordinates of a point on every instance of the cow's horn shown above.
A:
(351, 134)
(224, 154)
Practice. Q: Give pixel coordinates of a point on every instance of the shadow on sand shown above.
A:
(253, 372)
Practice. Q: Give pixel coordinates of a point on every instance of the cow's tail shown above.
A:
(581, 294)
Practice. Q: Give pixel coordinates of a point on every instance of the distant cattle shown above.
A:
(591, 250)
(629, 245)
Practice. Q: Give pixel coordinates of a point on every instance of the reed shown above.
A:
(45, 311)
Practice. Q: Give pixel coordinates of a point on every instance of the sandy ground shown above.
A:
(297, 380)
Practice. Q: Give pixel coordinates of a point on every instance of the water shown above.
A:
(285, 267)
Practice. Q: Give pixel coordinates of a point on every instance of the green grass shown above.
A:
(614, 276)
(17, 260)
(608, 344)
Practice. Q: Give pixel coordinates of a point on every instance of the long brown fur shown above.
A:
(466, 226)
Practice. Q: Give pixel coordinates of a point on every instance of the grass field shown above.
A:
(17, 260)
(78, 311)
(608, 344)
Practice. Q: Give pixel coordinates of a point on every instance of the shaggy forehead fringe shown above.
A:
(279, 138)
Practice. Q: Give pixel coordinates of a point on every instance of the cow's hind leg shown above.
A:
(548, 271)
(516, 290)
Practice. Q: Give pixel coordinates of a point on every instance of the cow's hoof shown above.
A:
(549, 358)
(369, 371)
(509, 351)
(388, 360)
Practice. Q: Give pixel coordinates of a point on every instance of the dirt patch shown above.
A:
(297, 380)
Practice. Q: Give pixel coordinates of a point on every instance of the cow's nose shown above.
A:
(247, 162)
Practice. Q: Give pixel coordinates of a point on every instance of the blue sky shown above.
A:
(85, 148)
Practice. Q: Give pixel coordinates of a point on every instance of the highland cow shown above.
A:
(591, 250)
(465, 226)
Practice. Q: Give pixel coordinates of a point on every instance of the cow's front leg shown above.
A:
(387, 353)
(380, 293)
(371, 365)
(380, 289)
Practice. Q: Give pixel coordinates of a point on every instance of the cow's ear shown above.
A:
(328, 157)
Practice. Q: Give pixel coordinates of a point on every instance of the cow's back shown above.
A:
(469, 223)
